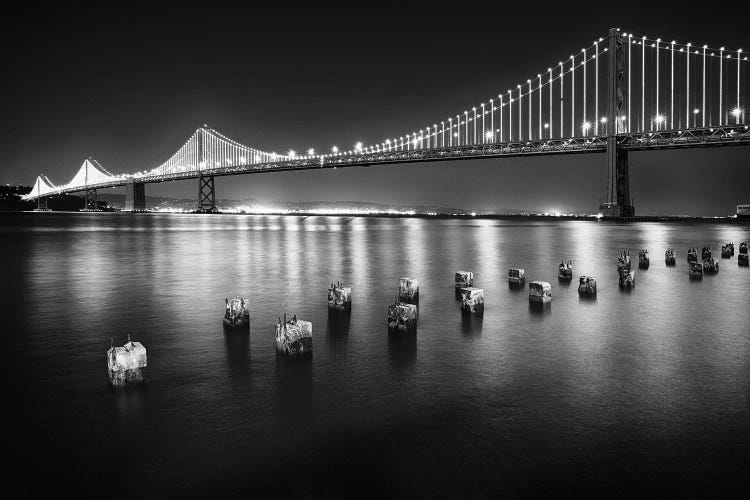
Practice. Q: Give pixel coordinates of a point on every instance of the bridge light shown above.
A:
(292, 154)
(242, 159)
(335, 150)
(311, 152)
(585, 127)
(603, 119)
(358, 147)
(489, 135)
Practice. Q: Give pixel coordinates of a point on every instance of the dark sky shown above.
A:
(127, 85)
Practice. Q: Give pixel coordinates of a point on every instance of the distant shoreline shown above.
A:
(534, 217)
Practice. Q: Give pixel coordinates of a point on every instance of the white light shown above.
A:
(489, 135)
(242, 159)
(358, 147)
(586, 127)
(736, 112)
(603, 119)
(659, 119)
(335, 149)
(291, 154)
(696, 111)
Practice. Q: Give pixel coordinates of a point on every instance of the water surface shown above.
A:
(632, 392)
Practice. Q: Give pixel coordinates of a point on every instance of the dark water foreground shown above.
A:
(646, 392)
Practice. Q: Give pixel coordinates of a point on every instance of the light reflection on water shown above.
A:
(657, 378)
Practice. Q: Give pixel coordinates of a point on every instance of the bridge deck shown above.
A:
(690, 138)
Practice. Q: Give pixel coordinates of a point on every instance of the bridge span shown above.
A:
(550, 114)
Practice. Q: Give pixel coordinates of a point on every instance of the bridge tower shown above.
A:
(206, 190)
(619, 203)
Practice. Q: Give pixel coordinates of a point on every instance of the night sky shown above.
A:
(128, 85)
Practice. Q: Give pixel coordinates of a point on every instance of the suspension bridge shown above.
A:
(621, 93)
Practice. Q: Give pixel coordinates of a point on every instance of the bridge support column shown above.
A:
(91, 202)
(622, 185)
(206, 193)
(618, 202)
(135, 196)
(41, 203)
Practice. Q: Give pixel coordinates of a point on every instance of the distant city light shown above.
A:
(358, 147)
(335, 149)
(311, 152)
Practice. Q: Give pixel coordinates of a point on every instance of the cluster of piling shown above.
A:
(669, 257)
(742, 258)
(127, 365)
(565, 271)
(625, 273)
(403, 314)
(643, 259)
(727, 251)
(472, 299)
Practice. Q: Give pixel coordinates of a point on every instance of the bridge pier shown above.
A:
(91, 202)
(618, 202)
(206, 194)
(622, 184)
(41, 204)
(135, 196)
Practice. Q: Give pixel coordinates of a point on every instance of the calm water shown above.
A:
(622, 394)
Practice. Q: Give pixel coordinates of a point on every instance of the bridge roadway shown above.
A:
(639, 141)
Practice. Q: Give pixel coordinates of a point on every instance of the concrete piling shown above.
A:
(710, 266)
(127, 365)
(464, 279)
(540, 292)
(236, 314)
(565, 271)
(669, 258)
(408, 291)
(516, 277)
(339, 297)
(742, 257)
(294, 337)
(402, 317)
(472, 300)
(626, 275)
(643, 259)
(587, 286)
